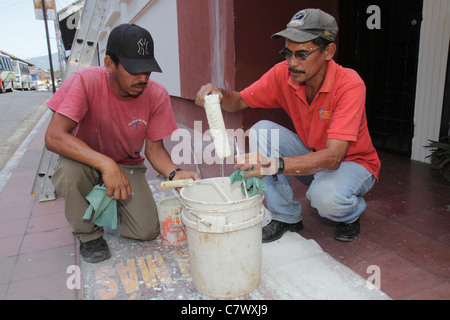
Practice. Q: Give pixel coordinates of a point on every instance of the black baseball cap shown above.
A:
(309, 24)
(133, 46)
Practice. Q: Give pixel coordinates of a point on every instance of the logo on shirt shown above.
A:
(137, 126)
(324, 115)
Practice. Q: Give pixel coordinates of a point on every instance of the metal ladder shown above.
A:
(86, 37)
(82, 53)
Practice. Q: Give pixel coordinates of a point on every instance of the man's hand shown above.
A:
(116, 183)
(260, 165)
(206, 90)
(185, 174)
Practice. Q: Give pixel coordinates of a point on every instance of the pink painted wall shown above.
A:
(227, 42)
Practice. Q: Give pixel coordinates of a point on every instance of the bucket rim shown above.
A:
(210, 210)
(219, 203)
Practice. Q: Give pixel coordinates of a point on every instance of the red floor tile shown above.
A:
(400, 278)
(430, 224)
(10, 246)
(394, 236)
(390, 207)
(431, 255)
(48, 207)
(48, 287)
(47, 222)
(38, 241)
(43, 262)
(353, 253)
(7, 267)
(14, 213)
(438, 292)
(13, 228)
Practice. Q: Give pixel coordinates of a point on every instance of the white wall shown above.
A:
(433, 53)
(159, 17)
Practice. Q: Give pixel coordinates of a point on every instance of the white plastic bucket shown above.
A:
(224, 238)
(170, 224)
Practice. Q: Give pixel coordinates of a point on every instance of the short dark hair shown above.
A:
(113, 57)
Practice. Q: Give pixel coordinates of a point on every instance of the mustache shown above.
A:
(293, 70)
(140, 84)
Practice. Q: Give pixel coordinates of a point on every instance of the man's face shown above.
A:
(123, 83)
(306, 70)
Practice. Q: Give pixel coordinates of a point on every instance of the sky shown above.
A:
(22, 35)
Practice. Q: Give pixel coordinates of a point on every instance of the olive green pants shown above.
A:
(137, 215)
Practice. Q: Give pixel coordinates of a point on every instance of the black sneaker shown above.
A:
(347, 232)
(275, 230)
(94, 251)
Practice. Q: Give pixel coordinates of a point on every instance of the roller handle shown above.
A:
(177, 184)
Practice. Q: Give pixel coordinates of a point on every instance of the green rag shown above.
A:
(255, 185)
(102, 207)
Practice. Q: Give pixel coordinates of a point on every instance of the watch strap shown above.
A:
(281, 166)
(173, 173)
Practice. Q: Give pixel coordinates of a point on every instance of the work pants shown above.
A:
(137, 215)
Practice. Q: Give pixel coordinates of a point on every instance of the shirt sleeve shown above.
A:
(71, 99)
(265, 92)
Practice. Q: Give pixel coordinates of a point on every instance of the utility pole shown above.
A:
(48, 46)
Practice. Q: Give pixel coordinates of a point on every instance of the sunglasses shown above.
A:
(287, 54)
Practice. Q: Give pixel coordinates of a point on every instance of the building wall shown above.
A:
(160, 19)
(206, 42)
(256, 52)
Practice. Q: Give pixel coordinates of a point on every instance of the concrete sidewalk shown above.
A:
(293, 268)
(39, 256)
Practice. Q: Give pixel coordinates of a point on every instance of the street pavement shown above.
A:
(19, 113)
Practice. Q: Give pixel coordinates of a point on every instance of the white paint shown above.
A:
(218, 40)
(298, 269)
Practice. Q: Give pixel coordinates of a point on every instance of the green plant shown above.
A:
(440, 155)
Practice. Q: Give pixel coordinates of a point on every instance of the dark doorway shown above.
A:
(445, 123)
(387, 60)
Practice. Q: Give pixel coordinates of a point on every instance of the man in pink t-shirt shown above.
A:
(102, 118)
(331, 149)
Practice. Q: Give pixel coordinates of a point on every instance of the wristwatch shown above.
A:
(173, 173)
(279, 164)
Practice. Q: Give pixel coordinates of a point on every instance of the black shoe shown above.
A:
(275, 230)
(94, 251)
(347, 232)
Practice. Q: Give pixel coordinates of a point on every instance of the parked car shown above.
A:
(40, 85)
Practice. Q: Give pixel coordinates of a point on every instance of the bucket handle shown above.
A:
(186, 207)
(220, 191)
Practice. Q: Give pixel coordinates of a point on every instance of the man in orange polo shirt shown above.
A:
(331, 149)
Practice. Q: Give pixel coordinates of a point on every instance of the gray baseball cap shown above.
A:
(309, 24)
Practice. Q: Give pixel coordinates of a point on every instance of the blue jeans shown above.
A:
(336, 194)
